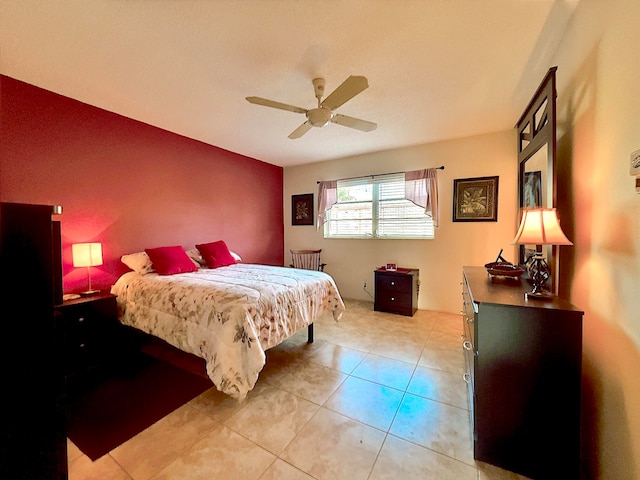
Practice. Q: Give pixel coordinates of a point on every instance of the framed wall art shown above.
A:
(302, 209)
(475, 199)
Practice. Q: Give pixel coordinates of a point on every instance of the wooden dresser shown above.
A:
(33, 443)
(397, 291)
(523, 362)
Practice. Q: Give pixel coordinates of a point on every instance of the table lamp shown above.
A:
(539, 226)
(87, 255)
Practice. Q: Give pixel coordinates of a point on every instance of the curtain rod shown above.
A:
(441, 167)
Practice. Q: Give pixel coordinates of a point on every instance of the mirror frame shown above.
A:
(536, 129)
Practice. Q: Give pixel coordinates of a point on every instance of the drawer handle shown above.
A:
(393, 284)
(467, 378)
(467, 345)
(393, 299)
(82, 345)
(80, 319)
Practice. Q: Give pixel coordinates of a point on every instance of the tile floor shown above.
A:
(376, 396)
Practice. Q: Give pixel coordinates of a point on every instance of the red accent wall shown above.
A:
(130, 185)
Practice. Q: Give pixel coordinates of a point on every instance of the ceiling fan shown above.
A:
(323, 114)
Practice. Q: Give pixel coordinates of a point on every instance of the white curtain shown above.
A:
(327, 197)
(421, 187)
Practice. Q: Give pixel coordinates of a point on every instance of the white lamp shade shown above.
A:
(540, 226)
(86, 254)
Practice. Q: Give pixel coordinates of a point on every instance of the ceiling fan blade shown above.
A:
(301, 130)
(353, 122)
(351, 87)
(271, 103)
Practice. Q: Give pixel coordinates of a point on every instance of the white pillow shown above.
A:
(138, 262)
(197, 257)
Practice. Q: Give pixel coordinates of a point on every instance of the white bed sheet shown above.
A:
(229, 315)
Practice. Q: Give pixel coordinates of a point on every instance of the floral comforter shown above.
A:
(229, 315)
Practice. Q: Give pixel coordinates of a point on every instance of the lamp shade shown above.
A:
(540, 226)
(86, 254)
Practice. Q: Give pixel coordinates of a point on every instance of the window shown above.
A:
(376, 207)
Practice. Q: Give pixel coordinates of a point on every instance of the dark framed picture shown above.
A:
(302, 209)
(475, 199)
(532, 191)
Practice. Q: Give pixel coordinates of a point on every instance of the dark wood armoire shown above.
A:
(33, 437)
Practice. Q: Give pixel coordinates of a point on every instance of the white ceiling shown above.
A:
(437, 69)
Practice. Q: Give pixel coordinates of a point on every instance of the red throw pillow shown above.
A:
(216, 254)
(170, 260)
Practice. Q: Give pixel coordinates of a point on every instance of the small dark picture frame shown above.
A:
(302, 209)
(475, 199)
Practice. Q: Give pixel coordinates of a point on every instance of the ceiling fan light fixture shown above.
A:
(323, 115)
(319, 117)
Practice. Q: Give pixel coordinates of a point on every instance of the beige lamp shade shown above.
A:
(86, 254)
(540, 226)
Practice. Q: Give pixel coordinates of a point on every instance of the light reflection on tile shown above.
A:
(437, 385)
(311, 381)
(367, 402)
(403, 349)
(338, 357)
(437, 426)
(446, 359)
(385, 371)
(322, 410)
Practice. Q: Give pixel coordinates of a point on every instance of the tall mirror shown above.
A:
(536, 153)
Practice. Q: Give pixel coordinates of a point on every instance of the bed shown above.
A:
(229, 316)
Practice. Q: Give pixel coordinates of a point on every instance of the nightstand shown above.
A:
(90, 329)
(396, 291)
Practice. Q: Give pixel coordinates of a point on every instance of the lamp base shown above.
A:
(88, 293)
(539, 295)
(539, 272)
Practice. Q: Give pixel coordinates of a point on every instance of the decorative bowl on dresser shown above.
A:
(523, 361)
(396, 291)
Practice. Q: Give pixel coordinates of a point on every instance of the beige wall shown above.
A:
(599, 126)
(351, 262)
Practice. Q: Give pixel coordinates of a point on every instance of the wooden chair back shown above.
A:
(307, 259)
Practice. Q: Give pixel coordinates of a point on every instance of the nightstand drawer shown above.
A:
(394, 299)
(394, 283)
